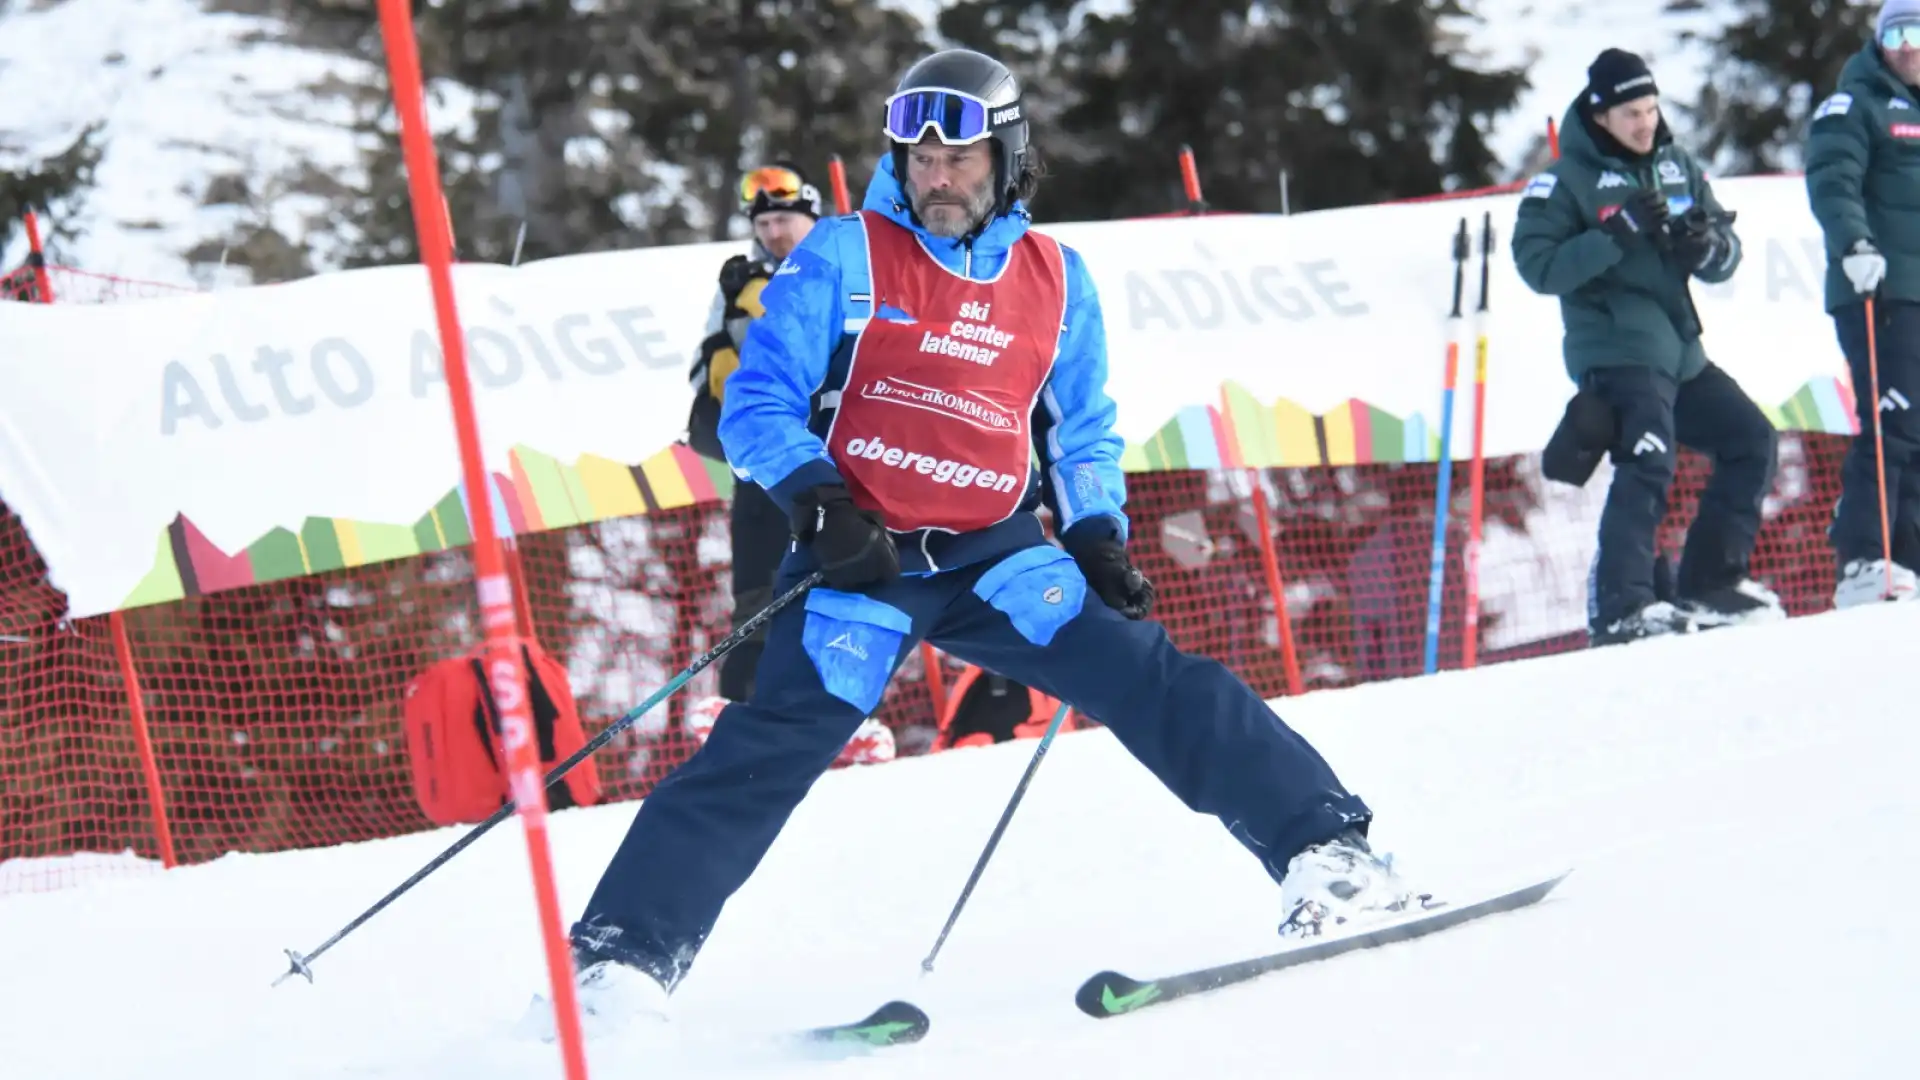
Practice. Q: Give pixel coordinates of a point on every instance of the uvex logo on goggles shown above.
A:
(957, 118)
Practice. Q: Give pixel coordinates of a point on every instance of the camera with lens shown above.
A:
(1697, 221)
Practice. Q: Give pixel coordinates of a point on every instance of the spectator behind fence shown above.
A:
(782, 207)
(1616, 228)
(1863, 182)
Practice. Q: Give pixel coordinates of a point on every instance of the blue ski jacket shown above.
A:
(796, 357)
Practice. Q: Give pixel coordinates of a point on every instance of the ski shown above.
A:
(1113, 994)
(894, 1024)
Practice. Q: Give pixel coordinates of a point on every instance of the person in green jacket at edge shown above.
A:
(1615, 228)
(1863, 181)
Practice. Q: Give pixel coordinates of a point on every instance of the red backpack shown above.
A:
(452, 725)
(984, 708)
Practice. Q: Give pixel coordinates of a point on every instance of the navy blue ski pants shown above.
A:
(1856, 517)
(1029, 616)
(1658, 415)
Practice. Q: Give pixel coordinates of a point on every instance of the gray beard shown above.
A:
(977, 207)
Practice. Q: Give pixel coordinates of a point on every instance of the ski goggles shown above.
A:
(773, 183)
(1905, 35)
(957, 118)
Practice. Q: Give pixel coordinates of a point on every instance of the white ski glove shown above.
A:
(1864, 266)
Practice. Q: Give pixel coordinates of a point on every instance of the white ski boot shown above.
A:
(1341, 885)
(614, 999)
(1864, 581)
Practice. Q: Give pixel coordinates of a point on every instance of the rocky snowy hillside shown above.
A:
(216, 131)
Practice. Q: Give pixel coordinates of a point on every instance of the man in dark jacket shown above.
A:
(1863, 180)
(782, 207)
(1615, 228)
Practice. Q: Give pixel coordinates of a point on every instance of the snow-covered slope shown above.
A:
(1738, 807)
(185, 97)
(188, 97)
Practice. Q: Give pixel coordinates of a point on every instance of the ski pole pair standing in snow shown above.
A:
(913, 360)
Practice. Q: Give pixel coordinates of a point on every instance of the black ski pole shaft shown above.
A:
(1486, 258)
(993, 841)
(1462, 251)
(303, 964)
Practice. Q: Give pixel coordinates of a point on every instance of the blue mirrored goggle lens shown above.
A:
(1896, 36)
(956, 119)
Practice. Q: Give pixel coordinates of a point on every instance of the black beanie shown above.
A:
(1616, 77)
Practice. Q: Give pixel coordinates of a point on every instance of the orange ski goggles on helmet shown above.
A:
(773, 182)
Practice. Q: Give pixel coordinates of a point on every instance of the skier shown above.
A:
(1864, 187)
(1615, 228)
(913, 359)
(782, 208)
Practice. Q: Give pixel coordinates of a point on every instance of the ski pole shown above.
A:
(303, 965)
(1477, 474)
(1879, 448)
(993, 841)
(1444, 493)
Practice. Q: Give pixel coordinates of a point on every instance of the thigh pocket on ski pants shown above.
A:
(1039, 589)
(853, 641)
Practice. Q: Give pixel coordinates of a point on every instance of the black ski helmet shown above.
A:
(980, 76)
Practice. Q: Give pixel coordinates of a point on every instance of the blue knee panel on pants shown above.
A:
(854, 642)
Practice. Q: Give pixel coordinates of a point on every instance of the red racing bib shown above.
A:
(932, 427)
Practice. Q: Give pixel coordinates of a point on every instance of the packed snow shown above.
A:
(1736, 806)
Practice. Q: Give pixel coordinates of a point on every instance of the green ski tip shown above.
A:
(894, 1024)
(1111, 994)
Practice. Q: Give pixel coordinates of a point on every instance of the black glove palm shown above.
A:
(851, 545)
(1113, 578)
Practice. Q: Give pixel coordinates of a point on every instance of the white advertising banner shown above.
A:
(163, 448)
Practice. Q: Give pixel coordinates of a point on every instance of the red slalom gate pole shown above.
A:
(505, 678)
(1190, 179)
(1269, 558)
(41, 279)
(837, 174)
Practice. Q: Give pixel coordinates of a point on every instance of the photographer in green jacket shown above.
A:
(1863, 181)
(1616, 228)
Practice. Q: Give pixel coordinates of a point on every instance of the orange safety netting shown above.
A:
(71, 286)
(275, 710)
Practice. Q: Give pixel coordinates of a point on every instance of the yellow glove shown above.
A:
(748, 299)
(723, 363)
